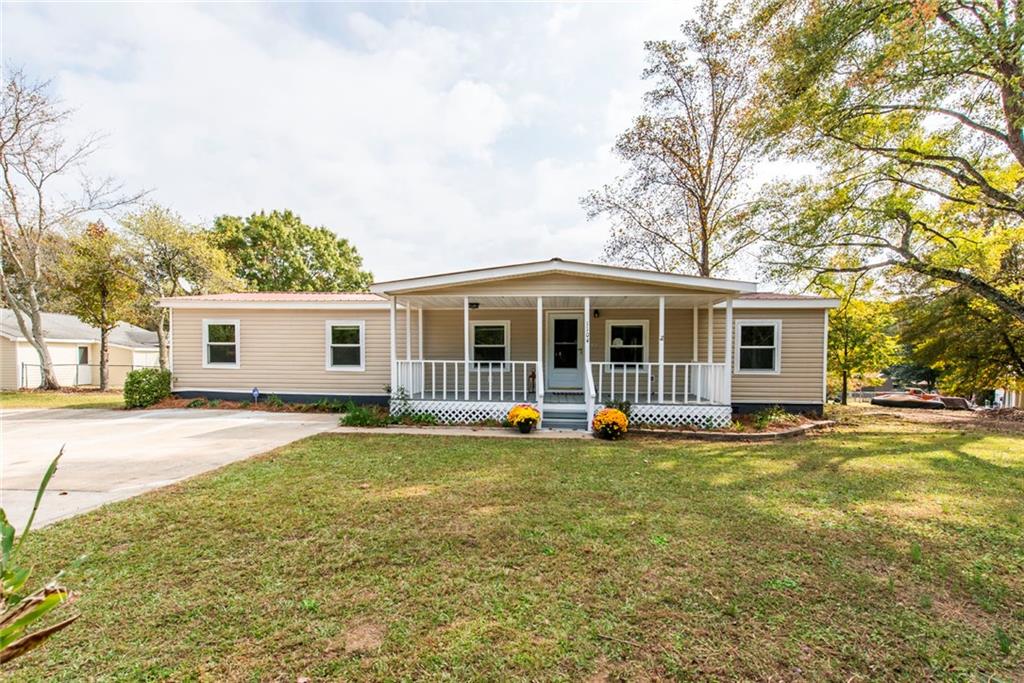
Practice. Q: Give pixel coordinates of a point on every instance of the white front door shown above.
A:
(564, 367)
(84, 370)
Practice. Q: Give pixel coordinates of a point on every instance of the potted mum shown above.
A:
(523, 417)
(610, 423)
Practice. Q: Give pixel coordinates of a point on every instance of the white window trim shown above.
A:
(328, 356)
(738, 337)
(645, 324)
(473, 324)
(238, 343)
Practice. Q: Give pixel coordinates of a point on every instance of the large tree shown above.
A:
(914, 110)
(974, 344)
(860, 333)
(39, 172)
(276, 251)
(682, 204)
(100, 284)
(172, 258)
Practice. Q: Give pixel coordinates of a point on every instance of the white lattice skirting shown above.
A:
(459, 412)
(702, 417)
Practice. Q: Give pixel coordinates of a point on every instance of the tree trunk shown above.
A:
(846, 383)
(161, 338)
(104, 358)
(33, 333)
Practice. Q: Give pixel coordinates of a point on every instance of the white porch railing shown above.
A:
(447, 380)
(685, 383)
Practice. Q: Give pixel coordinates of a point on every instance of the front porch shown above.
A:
(680, 379)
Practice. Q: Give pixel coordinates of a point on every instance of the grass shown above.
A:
(880, 551)
(61, 399)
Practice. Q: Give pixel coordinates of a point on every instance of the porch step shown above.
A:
(562, 423)
(568, 417)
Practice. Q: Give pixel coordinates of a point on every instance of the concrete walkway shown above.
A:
(115, 454)
(490, 432)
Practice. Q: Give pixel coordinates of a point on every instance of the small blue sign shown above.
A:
(255, 395)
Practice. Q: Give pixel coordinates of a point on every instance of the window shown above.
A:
(490, 340)
(345, 345)
(626, 341)
(220, 343)
(83, 355)
(757, 348)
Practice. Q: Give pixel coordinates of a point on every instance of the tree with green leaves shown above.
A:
(172, 258)
(276, 251)
(860, 333)
(974, 344)
(914, 112)
(100, 285)
(683, 204)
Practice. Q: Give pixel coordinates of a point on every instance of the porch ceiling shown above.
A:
(435, 301)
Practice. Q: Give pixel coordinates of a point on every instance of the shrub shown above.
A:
(420, 419)
(364, 416)
(274, 401)
(766, 417)
(146, 386)
(196, 403)
(610, 423)
(328, 405)
(622, 406)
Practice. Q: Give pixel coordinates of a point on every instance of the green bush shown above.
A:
(196, 403)
(274, 401)
(365, 416)
(145, 387)
(769, 416)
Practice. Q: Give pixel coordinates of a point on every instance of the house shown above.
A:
(465, 346)
(75, 351)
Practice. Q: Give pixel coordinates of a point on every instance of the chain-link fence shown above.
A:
(77, 374)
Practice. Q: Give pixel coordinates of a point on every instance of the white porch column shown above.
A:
(394, 346)
(465, 346)
(711, 333)
(696, 322)
(419, 332)
(540, 342)
(728, 352)
(661, 349)
(586, 335)
(408, 332)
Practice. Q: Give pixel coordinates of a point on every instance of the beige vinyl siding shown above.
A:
(8, 365)
(802, 358)
(284, 351)
(553, 284)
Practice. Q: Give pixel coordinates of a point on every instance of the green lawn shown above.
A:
(881, 551)
(61, 399)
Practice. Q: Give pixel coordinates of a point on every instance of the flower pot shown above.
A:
(525, 427)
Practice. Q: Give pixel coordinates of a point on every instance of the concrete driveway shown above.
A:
(114, 454)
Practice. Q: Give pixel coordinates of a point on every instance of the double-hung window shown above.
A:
(490, 340)
(758, 346)
(627, 341)
(221, 344)
(346, 341)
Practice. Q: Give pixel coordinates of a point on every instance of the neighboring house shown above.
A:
(75, 351)
(466, 346)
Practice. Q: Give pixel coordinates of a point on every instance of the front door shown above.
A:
(565, 352)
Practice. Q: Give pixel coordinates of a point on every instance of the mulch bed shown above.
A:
(174, 402)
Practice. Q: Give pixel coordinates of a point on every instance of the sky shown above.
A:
(435, 137)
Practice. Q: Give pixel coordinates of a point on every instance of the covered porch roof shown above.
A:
(563, 284)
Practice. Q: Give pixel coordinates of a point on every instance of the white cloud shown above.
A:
(435, 138)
